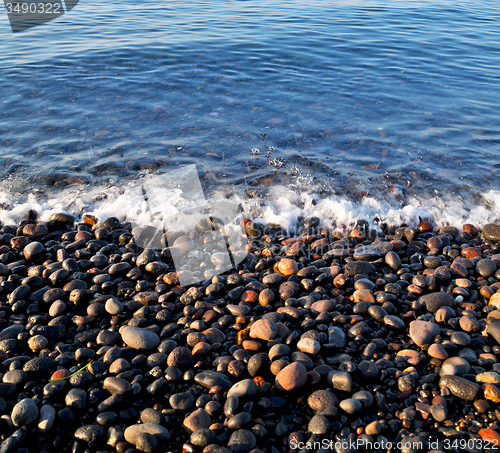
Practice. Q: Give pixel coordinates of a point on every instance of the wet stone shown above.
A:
(134, 431)
(359, 267)
(460, 387)
(90, 433)
(76, 398)
(115, 385)
(491, 232)
(210, 379)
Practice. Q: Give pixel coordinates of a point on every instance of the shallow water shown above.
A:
(353, 110)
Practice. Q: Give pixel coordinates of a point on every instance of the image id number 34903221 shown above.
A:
(33, 8)
(480, 444)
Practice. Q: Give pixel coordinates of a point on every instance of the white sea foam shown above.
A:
(150, 199)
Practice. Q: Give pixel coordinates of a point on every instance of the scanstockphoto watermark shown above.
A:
(203, 238)
(361, 444)
(26, 14)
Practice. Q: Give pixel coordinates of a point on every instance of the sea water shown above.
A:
(384, 111)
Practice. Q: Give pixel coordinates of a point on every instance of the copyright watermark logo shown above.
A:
(203, 238)
(26, 14)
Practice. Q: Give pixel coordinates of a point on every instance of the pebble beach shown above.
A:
(320, 340)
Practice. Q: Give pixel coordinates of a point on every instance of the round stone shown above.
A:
(140, 339)
(116, 385)
(40, 365)
(491, 232)
(24, 412)
(211, 379)
(309, 346)
(292, 377)
(434, 301)
(288, 266)
(423, 332)
(486, 267)
(199, 419)
(263, 329)
(460, 364)
(76, 398)
(340, 380)
(37, 343)
(319, 424)
(437, 351)
(321, 399)
(180, 357)
(113, 306)
(351, 405)
(146, 443)
(90, 433)
(203, 437)
(182, 401)
(47, 418)
(244, 388)
(33, 250)
(133, 432)
(242, 441)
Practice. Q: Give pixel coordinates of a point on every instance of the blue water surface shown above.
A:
(388, 93)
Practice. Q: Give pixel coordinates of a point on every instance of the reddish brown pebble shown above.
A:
(492, 393)
(250, 297)
(425, 227)
(340, 280)
(266, 297)
(216, 389)
(323, 305)
(259, 380)
(188, 448)
(481, 405)
(438, 399)
(470, 252)
(263, 329)
(471, 229)
(201, 349)
(89, 219)
(486, 292)
(288, 266)
(251, 345)
(85, 235)
(491, 436)
(414, 289)
(59, 374)
(292, 377)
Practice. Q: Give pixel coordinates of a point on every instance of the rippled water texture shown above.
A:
(357, 97)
